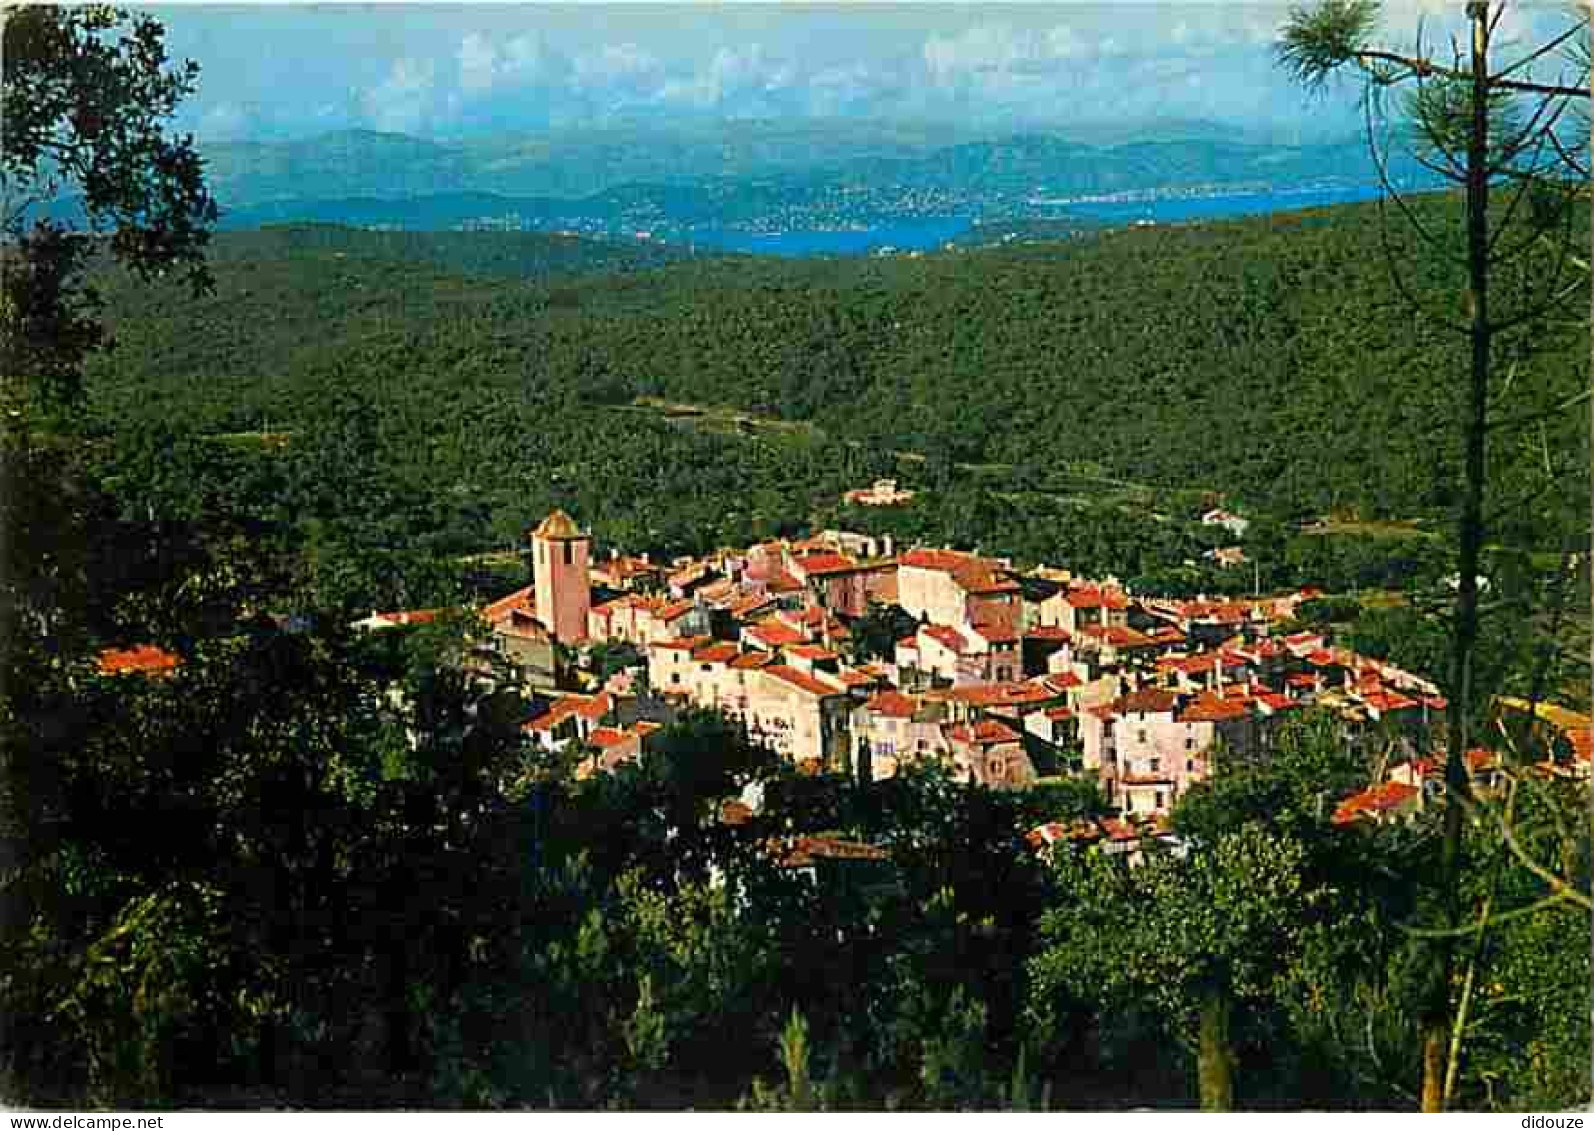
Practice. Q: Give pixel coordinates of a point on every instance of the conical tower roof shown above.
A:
(558, 527)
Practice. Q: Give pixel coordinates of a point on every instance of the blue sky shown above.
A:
(447, 71)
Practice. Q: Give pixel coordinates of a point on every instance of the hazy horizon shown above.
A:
(458, 72)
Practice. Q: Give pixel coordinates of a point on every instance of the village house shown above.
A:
(1082, 605)
(378, 622)
(990, 753)
(800, 716)
(957, 589)
(570, 718)
(882, 493)
(890, 729)
(1145, 755)
(519, 636)
(1380, 804)
(626, 573)
(1230, 521)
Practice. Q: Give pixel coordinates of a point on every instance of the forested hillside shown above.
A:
(517, 255)
(1270, 360)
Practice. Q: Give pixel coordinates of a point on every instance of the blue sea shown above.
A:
(933, 232)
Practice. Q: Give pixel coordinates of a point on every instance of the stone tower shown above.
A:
(560, 556)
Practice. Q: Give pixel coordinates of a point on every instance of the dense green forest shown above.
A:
(1281, 342)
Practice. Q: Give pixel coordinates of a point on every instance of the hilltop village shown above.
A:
(847, 656)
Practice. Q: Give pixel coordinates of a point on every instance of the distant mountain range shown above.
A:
(752, 177)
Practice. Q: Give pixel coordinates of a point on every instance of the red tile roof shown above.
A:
(722, 652)
(804, 850)
(892, 705)
(1146, 701)
(1118, 829)
(783, 583)
(1383, 798)
(1386, 701)
(986, 732)
(144, 659)
(1059, 681)
(947, 636)
(1117, 636)
(810, 652)
(675, 610)
(775, 633)
(801, 680)
(997, 633)
(749, 603)
(1211, 709)
(942, 561)
(519, 599)
(1000, 694)
(823, 562)
(1096, 597)
(1059, 714)
(1049, 632)
(980, 580)
(749, 660)
(606, 737)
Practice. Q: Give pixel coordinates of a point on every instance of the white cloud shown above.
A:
(623, 64)
(402, 101)
(478, 63)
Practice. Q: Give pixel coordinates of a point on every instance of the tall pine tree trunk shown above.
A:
(1436, 1014)
(1214, 1059)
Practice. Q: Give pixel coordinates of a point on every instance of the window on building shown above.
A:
(570, 552)
(1140, 736)
(1190, 765)
(1161, 799)
(675, 677)
(1156, 767)
(1189, 744)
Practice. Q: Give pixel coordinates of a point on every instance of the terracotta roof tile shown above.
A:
(946, 636)
(996, 633)
(892, 705)
(519, 599)
(143, 659)
(986, 732)
(942, 561)
(801, 680)
(1378, 799)
(722, 652)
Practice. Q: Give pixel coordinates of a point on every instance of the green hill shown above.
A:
(518, 255)
(1271, 360)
